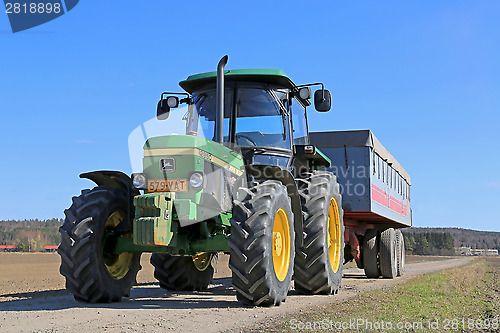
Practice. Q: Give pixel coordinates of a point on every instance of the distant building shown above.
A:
(484, 252)
(8, 248)
(463, 251)
(468, 251)
(50, 248)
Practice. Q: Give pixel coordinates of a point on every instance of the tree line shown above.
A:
(429, 243)
(30, 235)
(475, 239)
(34, 234)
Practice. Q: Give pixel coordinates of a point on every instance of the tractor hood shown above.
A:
(178, 156)
(194, 170)
(193, 145)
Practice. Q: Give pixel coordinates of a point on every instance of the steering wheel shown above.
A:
(246, 138)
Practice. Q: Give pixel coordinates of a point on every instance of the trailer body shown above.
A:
(375, 188)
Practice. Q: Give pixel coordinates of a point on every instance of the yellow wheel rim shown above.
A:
(334, 235)
(202, 260)
(281, 244)
(117, 266)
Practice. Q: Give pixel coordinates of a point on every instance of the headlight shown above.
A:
(139, 180)
(305, 93)
(172, 101)
(196, 180)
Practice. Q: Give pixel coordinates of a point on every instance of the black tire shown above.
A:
(314, 273)
(388, 253)
(370, 254)
(401, 253)
(84, 262)
(254, 272)
(180, 273)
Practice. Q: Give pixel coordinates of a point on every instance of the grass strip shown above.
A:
(461, 299)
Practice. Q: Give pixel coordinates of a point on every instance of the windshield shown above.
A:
(262, 120)
(261, 116)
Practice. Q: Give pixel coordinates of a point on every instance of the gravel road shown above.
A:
(153, 309)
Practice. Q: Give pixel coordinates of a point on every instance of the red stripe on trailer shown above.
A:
(396, 205)
(379, 196)
(388, 201)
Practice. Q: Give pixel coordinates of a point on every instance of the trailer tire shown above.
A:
(388, 253)
(262, 243)
(92, 273)
(319, 260)
(401, 252)
(182, 273)
(370, 254)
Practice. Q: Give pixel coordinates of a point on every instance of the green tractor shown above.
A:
(238, 176)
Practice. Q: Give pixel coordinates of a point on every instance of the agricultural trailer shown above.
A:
(375, 199)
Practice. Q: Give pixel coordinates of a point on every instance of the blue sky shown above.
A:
(424, 76)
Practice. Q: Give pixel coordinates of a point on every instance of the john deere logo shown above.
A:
(167, 165)
(26, 14)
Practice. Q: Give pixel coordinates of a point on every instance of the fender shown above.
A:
(284, 176)
(111, 178)
(119, 180)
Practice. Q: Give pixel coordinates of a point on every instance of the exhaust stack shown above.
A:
(219, 117)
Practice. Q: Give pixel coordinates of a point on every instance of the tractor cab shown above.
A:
(264, 115)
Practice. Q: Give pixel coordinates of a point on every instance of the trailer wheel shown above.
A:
(388, 253)
(183, 273)
(401, 252)
(370, 254)
(93, 274)
(318, 263)
(262, 243)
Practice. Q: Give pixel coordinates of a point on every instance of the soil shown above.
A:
(33, 299)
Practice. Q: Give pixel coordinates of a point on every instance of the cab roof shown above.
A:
(273, 76)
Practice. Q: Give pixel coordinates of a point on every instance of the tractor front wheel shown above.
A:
(262, 243)
(318, 264)
(93, 273)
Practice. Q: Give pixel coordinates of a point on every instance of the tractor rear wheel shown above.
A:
(401, 252)
(183, 273)
(388, 253)
(262, 243)
(370, 253)
(318, 263)
(92, 224)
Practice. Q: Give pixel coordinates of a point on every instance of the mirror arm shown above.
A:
(174, 93)
(184, 100)
(315, 84)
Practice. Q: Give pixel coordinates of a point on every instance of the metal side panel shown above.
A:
(351, 166)
(389, 192)
(372, 190)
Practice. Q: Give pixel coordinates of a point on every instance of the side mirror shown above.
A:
(162, 110)
(322, 100)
